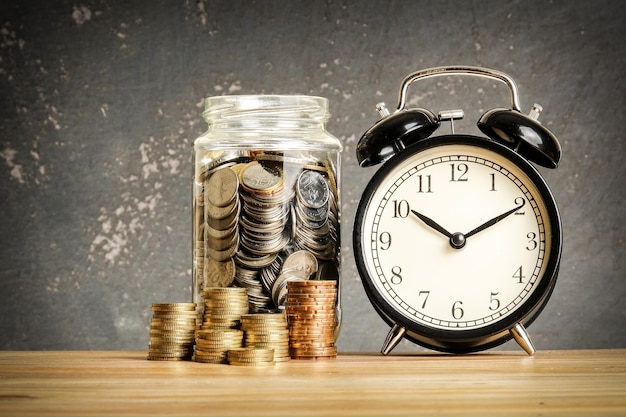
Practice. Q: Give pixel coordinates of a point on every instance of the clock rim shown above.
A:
(495, 333)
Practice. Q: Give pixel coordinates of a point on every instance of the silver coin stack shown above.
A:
(317, 224)
(263, 219)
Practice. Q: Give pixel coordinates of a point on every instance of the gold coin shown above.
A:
(264, 317)
(261, 179)
(209, 359)
(250, 354)
(219, 333)
(181, 315)
(259, 363)
(173, 306)
(161, 358)
(219, 273)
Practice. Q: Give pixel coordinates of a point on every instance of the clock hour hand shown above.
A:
(433, 224)
(494, 220)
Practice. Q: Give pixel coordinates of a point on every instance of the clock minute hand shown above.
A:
(493, 221)
(433, 224)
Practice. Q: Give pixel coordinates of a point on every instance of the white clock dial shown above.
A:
(456, 237)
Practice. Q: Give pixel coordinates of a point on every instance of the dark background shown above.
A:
(100, 102)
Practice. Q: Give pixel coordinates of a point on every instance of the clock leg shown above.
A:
(393, 338)
(522, 338)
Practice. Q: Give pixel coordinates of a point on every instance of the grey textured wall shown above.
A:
(100, 102)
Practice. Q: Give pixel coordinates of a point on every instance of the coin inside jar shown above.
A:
(221, 187)
(258, 210)
(302, 263)
(312, 189)
(261, 178)
(218, 274)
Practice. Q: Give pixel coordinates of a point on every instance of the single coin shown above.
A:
(219, 273)
(173, 306)
(261, 178)
(221, 187)
(312, 189)
(302, 261)
(257, 363)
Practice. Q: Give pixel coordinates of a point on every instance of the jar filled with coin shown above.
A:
(266, 206)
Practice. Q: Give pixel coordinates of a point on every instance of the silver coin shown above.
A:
(312, 217)
(279, 289)
(312, 189)
(300, 262)
(254, 261)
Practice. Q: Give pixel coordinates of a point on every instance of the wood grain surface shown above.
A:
(120, 383)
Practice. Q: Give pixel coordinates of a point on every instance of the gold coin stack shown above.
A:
(267, 331)
(212, 346)
(223, 307)
(172, 331)
(311, 316)
(251, 357)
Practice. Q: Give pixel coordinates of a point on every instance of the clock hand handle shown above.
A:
(493, 221)
(433, 224)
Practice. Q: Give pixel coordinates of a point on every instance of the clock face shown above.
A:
(457, 238)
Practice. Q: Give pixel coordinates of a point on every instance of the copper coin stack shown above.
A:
(267, 331)
(312, 319)
(172, 331)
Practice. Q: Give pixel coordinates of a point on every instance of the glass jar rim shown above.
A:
(266, 105)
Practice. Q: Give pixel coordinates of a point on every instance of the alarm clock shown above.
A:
(457, 238)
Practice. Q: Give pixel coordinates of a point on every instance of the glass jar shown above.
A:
(266, 205)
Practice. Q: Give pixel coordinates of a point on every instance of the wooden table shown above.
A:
(568, 383)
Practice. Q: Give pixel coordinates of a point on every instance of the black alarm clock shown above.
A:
(457, 238)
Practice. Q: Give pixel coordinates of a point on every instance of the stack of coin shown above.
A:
(223, 307)
(172, 331)
(317, 224)
(267, 331)
(221, 229)
(248, 278)
(251, 357)
(312, 319)
(265, 210)
(263, 223)
(212, 345)
(217, 221)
